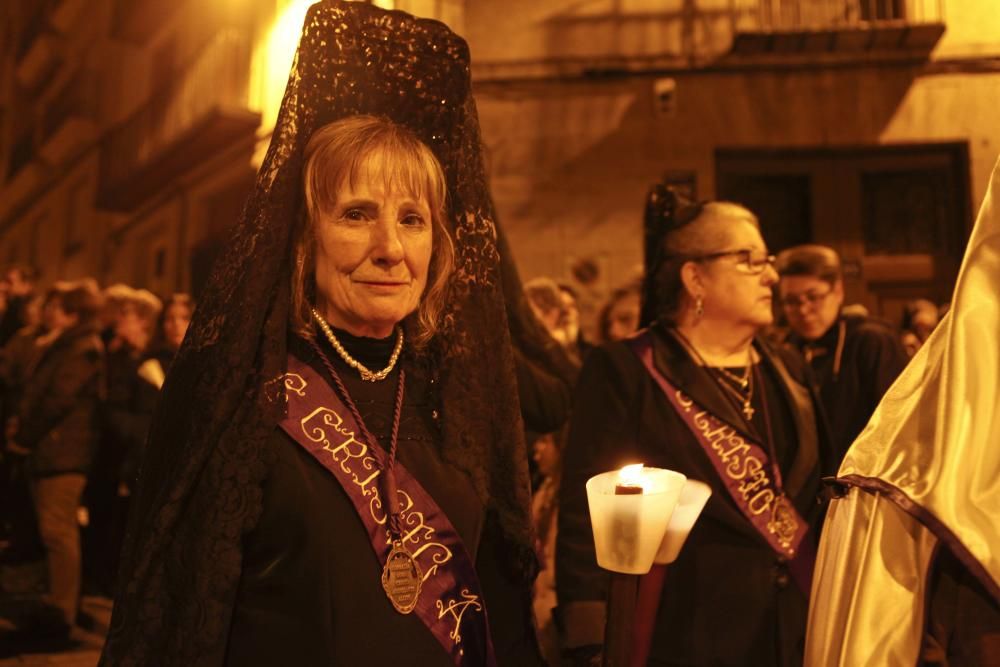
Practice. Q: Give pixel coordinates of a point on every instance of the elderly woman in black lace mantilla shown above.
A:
(338, 474)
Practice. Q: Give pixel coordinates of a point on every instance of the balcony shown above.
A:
(839, 29)
(35, 53)
(136, 21)
(202, 112)
(21, 154)
(23, 176)
(590, 40)
(69, 121)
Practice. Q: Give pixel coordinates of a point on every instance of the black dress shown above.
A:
(311, 593)
(728, 599)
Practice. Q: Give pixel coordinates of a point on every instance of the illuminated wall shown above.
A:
(272, 58)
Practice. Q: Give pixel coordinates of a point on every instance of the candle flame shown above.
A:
(631, 475)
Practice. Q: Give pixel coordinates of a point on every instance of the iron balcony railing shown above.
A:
(696, 31)
(76, 99)
(833, 14)
(22, 152)
(33, 27)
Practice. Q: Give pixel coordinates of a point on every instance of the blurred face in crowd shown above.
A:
(810, 304)
(131, 326)
(15, 284)
(570, 324)
(923, 322)
(735, 281)
(546, 455)
(175, 324)
(55, 318)
(32, 311)
(373, 252)
(550, 318)
(623, 316)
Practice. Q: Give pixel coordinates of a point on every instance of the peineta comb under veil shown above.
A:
(206, 455)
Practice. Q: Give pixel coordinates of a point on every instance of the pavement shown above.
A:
(18, 590)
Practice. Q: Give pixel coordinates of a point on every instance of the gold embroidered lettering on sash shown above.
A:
(441, 555)
(457, 609)
(740, 464)
(412, 535)
(325, 426)
(295, 382)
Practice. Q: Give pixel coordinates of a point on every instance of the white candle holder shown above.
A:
(629, 529)
(691, 502)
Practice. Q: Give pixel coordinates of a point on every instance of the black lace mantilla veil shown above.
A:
(200, 490)
(661, 204)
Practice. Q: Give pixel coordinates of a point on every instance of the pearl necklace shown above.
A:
(366, 373)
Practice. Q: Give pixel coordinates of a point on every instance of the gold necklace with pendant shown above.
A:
(402, 577)
(745, 382)
(746, 400)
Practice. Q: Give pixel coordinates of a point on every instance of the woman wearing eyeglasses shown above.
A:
(699, 391)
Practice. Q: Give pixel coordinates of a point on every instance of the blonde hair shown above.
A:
(146, 304)
(337, 153)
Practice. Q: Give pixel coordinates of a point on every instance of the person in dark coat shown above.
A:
(125, 417)
(699, 392)
(18, 524)
(336, 472)
(19, 289)
(854, 358)
(56, 429)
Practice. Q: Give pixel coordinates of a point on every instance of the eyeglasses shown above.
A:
(792, 301)
(751, 261)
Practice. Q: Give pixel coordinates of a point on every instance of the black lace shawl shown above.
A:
(200, 489)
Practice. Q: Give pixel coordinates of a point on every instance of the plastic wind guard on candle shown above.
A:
(628, 529)
(692, 500)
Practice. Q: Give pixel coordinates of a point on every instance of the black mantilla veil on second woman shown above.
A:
(666, 209)
(206, 455)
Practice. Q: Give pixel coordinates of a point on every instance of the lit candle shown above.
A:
(629, 512)
(625, 520)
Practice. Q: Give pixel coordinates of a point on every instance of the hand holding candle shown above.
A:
(638, 514)
(692, 500)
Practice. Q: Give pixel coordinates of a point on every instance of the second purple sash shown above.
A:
(743, 466)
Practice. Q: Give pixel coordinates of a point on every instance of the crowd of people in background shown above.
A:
(80, 373)
(850, 360)
(81, 369)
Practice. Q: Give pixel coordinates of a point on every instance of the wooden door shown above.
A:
(898, 215)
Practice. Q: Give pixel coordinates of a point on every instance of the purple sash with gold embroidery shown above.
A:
(743, 466)
(450, 603)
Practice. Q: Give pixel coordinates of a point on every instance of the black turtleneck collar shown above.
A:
(374, 353)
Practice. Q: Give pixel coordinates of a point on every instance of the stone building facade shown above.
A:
(130, 130)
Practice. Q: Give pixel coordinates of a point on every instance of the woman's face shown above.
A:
(175, 324)
(733, 291)
(130, 326)
(55, 318)
(373, 253)
(623, 316)
(546, 455)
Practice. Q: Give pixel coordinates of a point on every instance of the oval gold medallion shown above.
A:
(402, 579)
